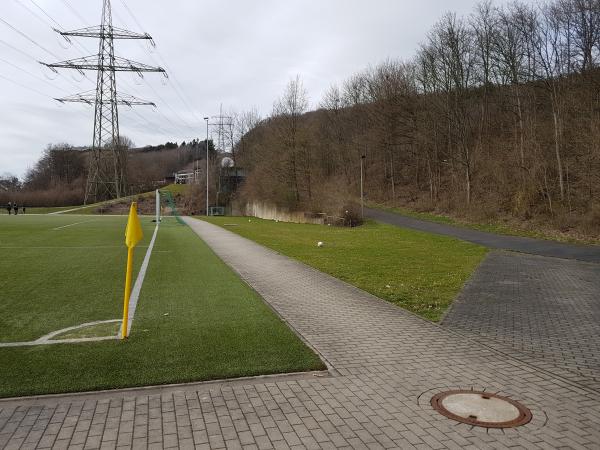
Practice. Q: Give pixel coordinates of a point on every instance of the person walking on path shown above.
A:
(9, 207)
(16, 208)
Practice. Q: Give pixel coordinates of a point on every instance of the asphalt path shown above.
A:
(589, 253)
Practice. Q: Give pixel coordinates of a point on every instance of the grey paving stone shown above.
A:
(544, 311)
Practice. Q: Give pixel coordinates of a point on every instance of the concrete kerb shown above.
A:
(457, 298)
(198, 386)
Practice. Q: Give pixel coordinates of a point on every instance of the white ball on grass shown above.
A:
(319, 244)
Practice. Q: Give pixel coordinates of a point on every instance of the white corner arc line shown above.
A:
(47, 339)
(137, 287)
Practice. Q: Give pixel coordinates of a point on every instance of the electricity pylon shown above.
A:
(224, 126)
(107, 172)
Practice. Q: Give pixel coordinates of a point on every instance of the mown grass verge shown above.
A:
(417, 271)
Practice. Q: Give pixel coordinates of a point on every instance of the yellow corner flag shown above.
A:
(133, 235)
(133, 231)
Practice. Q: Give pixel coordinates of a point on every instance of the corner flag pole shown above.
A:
(133, 235)
(127, 292)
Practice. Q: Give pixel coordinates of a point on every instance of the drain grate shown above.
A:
(481, 409)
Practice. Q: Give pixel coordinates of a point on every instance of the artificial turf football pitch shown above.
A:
(195, 320)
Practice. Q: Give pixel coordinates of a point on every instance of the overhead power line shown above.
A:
(18, 50)
(168, 106)
(59, 28)
(30, 74)
(33, 13)
(28, 55)
(176, 85)
(24, 86)
(17, 83)
(45, 13)
(177, 89)
(132, 15)
(33, 42)
(74, 11)
(15, 29)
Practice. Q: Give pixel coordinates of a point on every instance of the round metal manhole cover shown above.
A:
(481, 409)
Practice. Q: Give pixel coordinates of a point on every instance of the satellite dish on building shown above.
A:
(227, 162)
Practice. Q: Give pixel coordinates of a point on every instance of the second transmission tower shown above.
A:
(108, 162)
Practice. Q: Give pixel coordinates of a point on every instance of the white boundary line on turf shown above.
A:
(72, 224)
(137, 287)
(47, 338)
(66, 247)
(69, 210)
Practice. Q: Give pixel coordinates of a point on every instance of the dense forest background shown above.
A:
(58, 178)
(496, 116)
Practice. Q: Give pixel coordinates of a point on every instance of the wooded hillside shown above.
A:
(498, 114)
(59, 177)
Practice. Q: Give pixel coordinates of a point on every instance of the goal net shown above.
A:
(166, 206)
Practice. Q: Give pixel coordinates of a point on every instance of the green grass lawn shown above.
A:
(60, 271)
(417, 271)
(196, 320)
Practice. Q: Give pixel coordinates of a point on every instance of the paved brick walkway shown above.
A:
(545, 311)
(385, 363)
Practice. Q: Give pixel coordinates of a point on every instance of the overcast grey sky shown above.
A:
(238, 53)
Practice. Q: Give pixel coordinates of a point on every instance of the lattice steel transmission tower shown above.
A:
(224, 126)
(108, 163)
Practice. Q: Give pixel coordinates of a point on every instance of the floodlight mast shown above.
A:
(206, 119)
(107, 172)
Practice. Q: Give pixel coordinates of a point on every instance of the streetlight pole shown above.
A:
(206, 118)
(362, 195)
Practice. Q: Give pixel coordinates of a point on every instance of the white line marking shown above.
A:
(58, 341)
(69, 210)
(47, 338)
(59, 247)
(73, 224)
(137, 287)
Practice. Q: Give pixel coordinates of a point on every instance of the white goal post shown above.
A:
(157, 220)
